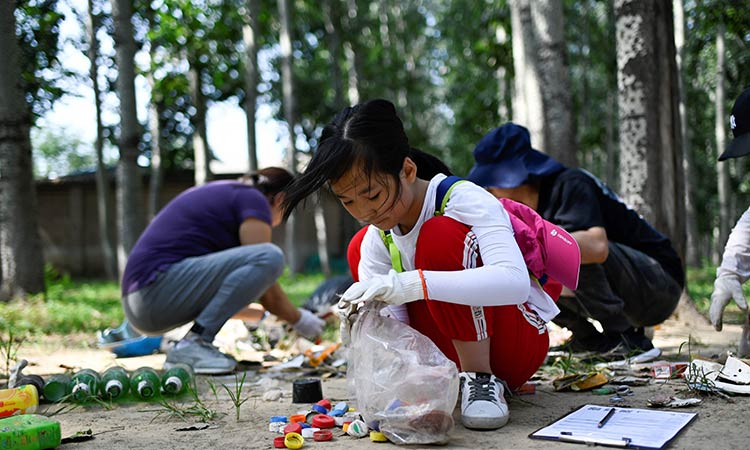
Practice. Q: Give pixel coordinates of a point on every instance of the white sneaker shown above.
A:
(483, 406)
(203, 357)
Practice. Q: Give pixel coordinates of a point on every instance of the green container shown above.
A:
(29, 432)
(85, 385)
(57, 387)
(145, 383)
(176, 380)
(115, 383)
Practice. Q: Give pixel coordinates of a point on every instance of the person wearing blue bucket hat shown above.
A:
(630, 278)
(735, 264)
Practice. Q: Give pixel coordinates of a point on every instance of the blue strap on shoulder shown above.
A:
(444, 189)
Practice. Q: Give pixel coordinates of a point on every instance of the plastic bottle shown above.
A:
(115, 383)
(144, 383)
(58, 387)
(20, 400)
(85, 385)
(176, 380)
(29, 432)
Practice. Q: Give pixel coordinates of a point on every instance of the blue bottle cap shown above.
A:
(278, 419)
(319, 409)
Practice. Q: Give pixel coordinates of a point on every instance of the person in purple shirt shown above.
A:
(204, 258)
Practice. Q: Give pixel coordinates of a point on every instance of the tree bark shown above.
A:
(22, 263)
(285, 39)
(250, 33)
(157, 153)
(542, 100)
(651, 174)
(129, 217)
(104, 207)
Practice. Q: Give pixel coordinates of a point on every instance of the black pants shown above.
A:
(630, 289)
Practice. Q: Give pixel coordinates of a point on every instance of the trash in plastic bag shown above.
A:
(402, 382)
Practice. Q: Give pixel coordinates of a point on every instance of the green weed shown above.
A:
(236, 394)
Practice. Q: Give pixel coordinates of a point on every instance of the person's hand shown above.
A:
(394, 288)
(726, 288)
(309, 325)
(347, 314)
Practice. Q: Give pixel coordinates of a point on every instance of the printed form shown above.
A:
(624, 427)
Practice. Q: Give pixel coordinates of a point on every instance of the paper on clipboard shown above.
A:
(626, 427)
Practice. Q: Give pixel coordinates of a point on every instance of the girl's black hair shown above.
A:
(269, 181)
(370, 134)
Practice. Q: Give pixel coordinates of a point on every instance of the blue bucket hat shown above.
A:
(504, 159)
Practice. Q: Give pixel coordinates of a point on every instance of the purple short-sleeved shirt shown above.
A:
(199, 221)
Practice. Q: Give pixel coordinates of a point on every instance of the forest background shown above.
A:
(637, 92)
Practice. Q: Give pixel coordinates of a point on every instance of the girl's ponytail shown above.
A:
(428, 165)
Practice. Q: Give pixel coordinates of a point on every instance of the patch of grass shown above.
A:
(236, 394)
(84, 306)
(700, 285)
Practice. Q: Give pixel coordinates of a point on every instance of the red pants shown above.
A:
(519, 340)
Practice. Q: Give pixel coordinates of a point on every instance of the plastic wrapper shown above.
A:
(403, 383)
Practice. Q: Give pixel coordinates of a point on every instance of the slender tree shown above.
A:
(722, 169)
(285, 39)
(22, 264)
(692, 255)
(104, 206)
(129, 217)
(250, 33)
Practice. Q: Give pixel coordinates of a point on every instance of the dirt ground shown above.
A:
(720, 423)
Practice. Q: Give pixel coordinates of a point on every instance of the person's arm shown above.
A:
(593, 243)
(733, 271)
(254, 231)
(277, 303)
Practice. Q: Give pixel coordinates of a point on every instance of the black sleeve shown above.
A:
(578, 206)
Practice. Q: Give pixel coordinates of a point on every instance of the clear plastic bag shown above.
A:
(402, 382)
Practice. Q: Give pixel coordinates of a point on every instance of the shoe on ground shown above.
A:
(624, 345)
(203, 357)
(483, 406)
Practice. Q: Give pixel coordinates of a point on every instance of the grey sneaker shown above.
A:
(203, 357)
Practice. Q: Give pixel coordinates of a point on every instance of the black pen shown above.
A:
(606, 418)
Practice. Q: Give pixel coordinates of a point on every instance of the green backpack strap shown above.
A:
(387, 238)
(442, 195)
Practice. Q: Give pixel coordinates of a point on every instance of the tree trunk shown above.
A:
(527, 98)
(651, 174)
(129, 217)
(542, 100)
(557, 103)
(21, 257)
(352, 58)
(250, 32)
(722, 168)
(157, 153)
(334, 47)
(104, 207)
(285, 39)
(692, 254)
(201, 152)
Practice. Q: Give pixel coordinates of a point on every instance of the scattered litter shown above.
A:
(196, 427)
(667, 401)
(580, 382)
(78, 436)
(631, 380)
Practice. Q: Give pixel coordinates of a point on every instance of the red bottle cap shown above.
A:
(323, 421)
(325, 403)
(278, 442)
(293, 428)
(322, 435)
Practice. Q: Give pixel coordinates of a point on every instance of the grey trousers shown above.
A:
(207, 289)
(630, 289)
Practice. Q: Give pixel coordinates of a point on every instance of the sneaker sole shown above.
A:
(484, 423)
(203, 370)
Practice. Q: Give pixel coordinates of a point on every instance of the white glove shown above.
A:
(394, 289)
(347, 314)
(725, 288)
(309, 325)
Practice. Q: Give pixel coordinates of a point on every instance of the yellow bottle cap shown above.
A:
(377, 436)
(294, 440)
